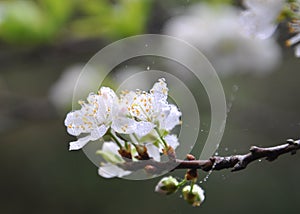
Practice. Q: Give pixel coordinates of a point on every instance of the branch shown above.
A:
(235, 162)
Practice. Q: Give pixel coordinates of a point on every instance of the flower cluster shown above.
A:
(138, 125)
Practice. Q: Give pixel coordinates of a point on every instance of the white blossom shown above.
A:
(94, 117)
(61, 92)
(216, 31)
(260, 18)
(151, 110)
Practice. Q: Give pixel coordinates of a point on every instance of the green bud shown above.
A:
(167, 185)
(194, 197)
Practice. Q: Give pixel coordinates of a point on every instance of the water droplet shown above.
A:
(216, 153)
(235, 88)
(148, 68)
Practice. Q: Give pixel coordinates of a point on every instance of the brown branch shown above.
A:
(235, 162)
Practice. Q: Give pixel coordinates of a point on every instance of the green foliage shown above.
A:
(100, 17)
(32, 22)
(41, 21)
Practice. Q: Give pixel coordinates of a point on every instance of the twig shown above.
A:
(235, 162)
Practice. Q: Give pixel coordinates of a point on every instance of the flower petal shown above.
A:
(143, 128)
(73, 122)
(110, 147)
(172, 141)
(81, 142)
(124, 125)
(153, 151)
(98, 132)
(172, 119)
(110, 170)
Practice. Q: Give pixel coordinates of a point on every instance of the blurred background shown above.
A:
(44, 44)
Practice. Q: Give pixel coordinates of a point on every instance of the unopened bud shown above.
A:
(167, 185)
(194, 197)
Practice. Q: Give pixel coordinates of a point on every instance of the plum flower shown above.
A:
(151, 110)
(93, 119)
(259, 20)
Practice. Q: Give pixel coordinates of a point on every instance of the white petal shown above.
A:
(109, 170)
(268, 7)
(73, 120)
(143, 128)
(160, 90)
(81, 142)
(172, 141)
(153, 151)
(255, 26)
(297, 51)
(124, 125)
(98, 132)
(110, 147)
(172, 119)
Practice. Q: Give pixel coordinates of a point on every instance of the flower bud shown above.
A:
(194, 197)
(167, 185)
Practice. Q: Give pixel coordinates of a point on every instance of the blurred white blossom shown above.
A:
(61, 92)
(260, 18)
(216, 31)
(294, 27)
